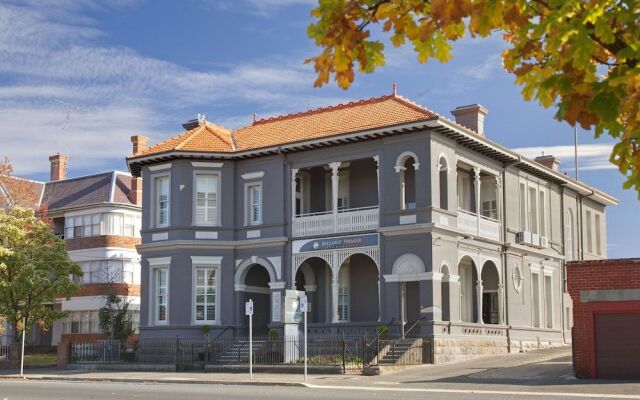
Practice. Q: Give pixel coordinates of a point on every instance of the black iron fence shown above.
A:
(350, 353)
(4, 352)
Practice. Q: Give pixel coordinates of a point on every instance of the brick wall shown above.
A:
(595, 275)
(104, 289)
(92, 242)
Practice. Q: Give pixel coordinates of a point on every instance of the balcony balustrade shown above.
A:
(481, 226)
(328, 222)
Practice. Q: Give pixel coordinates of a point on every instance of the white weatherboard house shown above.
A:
(382, 211)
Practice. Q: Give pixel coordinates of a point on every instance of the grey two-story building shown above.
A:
(382, 211)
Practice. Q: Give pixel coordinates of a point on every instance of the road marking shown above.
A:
(469, 391)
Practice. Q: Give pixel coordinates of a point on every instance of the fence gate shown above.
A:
(190, 355)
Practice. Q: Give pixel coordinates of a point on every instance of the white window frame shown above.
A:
(536, 270)
(547, 272)
(155, 264)
(542, 223)
(218, 177)
(249, 206)
(589, 227)
(568, 235)
(206, 263)
(344, 292)
(598, 233)
(155, 202)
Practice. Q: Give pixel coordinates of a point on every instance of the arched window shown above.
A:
(406, 165)
(568, 235)
(443, 167)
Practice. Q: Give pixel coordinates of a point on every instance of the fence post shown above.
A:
(344, 352)
(177, 354)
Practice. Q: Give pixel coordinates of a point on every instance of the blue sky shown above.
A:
(143, 67)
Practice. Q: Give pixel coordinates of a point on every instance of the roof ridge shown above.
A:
(192, 134)
(413, 104)
(318, 110)
(216, 130)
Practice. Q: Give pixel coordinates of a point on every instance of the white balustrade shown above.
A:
(468, 223)
(347, 220)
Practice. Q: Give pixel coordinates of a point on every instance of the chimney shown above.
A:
(135, 194)
(471, 116)
(58, 167)
(140, 144)
(549, 162)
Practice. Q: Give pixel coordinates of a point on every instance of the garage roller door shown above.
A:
(617, 338)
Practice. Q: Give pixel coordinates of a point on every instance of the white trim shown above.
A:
(256, 289)
(194, 197)
(206, 260)
(253, 175)
(113, 186)
(152, 293)
(403, 158)
(198, 164)
(159, 236)
(206, 235)
(159, 167)
(160, 261)
(277, 285)
(424, 276)
(154, 221)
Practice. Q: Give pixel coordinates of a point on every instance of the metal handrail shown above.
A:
(413, 326)
(344, 210)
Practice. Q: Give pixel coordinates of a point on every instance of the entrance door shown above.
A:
(409, 304)
(490, 308)
(617, 346)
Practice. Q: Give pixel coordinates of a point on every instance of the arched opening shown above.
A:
(468, 292)
(314, 278)
(358, 290)
(445, 291)
(490, 293)
(408, 183)
(256, 288)
(443, 177)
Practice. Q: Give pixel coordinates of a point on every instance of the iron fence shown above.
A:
(4, 352)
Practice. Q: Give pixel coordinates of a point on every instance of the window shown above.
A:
(88, 321)
(206, 199)
(535, 298)
(255, 204)
(523, 206)
(161, 284)
(162, 201)
(534, 208)
(444, 184)
(343, 190)
(568, 235)
(532, 211)
(598, 238)
(464, 190)
(408, 184)
(589, 234)
(343, 293)
(548, 300)
(543, 222)
(489, 197)
(82, 226)
(205, 294)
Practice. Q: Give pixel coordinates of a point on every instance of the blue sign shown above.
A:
(336, 243)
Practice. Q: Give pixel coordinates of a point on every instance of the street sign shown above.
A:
(248, 308)
(303, 303)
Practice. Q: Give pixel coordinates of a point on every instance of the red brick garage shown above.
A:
(606, 315)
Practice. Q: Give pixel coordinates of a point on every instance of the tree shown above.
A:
(34, 270)
(16, 191)
(580, 56)
(114, 318)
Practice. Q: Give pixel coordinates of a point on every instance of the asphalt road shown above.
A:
(34, 390)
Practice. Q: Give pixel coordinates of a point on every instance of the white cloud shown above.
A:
(591, 157)
(485, 69)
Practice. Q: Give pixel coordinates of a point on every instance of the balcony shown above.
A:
(328, 222)
(484, 227)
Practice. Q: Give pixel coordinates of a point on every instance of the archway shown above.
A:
(445, 291)
(314, 277)
(256, 288)
(358, 289)
(468, 291)
(490, 293)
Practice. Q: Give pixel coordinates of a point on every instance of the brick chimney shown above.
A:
(135, 194)
(140, 144)
(471, 116)
(549, 162)
(58, 167)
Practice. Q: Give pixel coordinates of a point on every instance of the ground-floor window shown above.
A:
(161, 284)
(535, 298)
(88, 321)
(343, 293)
(205, 294)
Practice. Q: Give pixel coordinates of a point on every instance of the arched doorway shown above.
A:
(358, 289)
(468, 291)
(314, 277)
(256, 288)
(490, 293)
(445, 291)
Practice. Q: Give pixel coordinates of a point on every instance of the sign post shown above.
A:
(304, 306)
(248, 310)
(24, 329)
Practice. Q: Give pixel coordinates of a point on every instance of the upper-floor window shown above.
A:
(109, 271)
(534, 209)
(589, 233)
(343, 190)
(408, 184)
(568, 235)
(465, 190)
(162, 200)
(206, 199)
(254, 206)
(106, 223)
(443, 181)
(598, 238)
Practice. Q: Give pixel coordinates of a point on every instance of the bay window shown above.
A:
(254, 206)
(161, 184)
(161, 294)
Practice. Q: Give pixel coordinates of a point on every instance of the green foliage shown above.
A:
(383, 332)
(272, 334)
(114, 318)
(34, 270)
(581, 56)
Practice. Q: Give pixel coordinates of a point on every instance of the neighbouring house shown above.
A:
(606, 315)
(382, 211)
(98, 216)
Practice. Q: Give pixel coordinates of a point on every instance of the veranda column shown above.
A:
(454, 298)
(377, 160)
(479, 289)
(477, 187)
(335, 166)
(499, 205)
(294, 172)
(501, 305)
(335, 286)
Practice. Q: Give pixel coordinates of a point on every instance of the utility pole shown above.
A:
(575, 148)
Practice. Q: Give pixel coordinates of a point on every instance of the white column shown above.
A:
(403, 307)
(479, 289)
(499, 205)
(334, 192)
(334, 299)
(501, 302)
(477, 187)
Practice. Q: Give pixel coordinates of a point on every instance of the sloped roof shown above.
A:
(206, 137)
(21, 192)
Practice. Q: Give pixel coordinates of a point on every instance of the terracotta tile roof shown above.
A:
(329, 121)
(206, 137)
